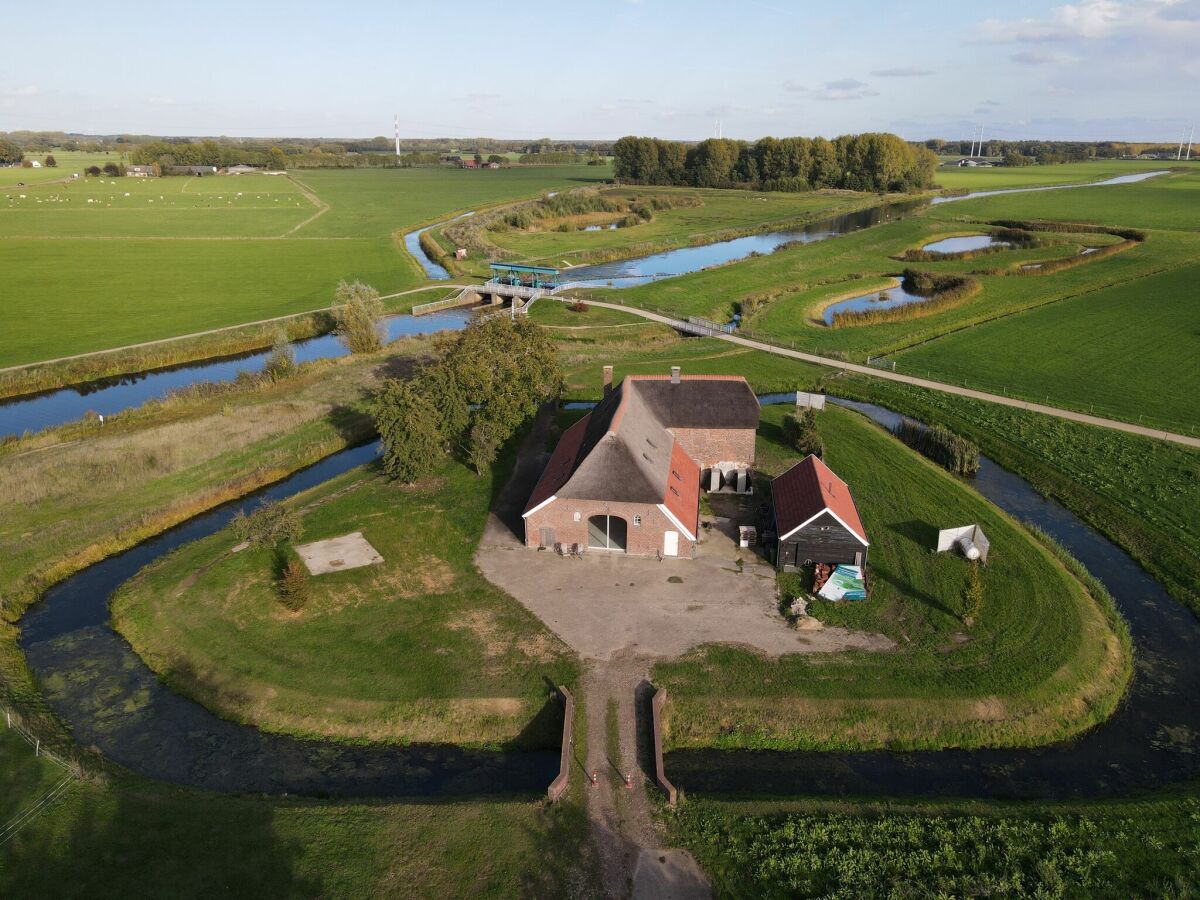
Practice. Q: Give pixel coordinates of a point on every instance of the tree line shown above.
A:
(874, 161)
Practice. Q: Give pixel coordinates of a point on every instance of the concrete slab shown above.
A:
(606, 603)
(350, 551)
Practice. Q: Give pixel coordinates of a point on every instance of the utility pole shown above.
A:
(397, 121)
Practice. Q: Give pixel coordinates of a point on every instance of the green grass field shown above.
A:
(419, 648)
(69, 162)
(1129, 352)
(73, 294)
(1001, 177)
(1044, 660)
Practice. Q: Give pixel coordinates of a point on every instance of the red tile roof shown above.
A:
(682, 495)
(808, 489)
(561, 465)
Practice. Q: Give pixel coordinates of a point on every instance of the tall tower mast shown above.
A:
(397, 121)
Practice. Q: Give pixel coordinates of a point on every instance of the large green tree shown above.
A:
(10, 153)
(408, 425)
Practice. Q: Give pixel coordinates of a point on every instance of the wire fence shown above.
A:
(40, 804)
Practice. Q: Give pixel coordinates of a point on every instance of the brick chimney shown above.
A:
(674, 374)
(607, 380)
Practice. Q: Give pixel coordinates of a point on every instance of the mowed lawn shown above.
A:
(419, 648)
(71, 293)
(1129, 352)
(1042, 662)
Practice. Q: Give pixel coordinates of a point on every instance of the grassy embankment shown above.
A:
(214, 259)
(719, 215)
(235, 340)
(420, 648)
(1043, 661)
(847, 850)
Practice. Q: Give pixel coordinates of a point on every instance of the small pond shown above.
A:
(885, 298)
(964, 243)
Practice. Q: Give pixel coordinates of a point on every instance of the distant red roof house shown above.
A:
(816, 518)
(627, 476)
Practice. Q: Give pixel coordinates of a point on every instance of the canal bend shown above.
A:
(113, 702)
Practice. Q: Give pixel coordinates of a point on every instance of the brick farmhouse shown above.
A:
(627, 477)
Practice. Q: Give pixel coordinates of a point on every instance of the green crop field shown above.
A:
(174, 271)
(1043, 661)
(1002, 177)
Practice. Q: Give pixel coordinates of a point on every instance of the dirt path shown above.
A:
(633, 861)
(1055, 411)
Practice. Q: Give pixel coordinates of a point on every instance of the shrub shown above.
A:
(943, 446)
(112, 169)
(282, 361)
(358, 312)
(579, 306)
(268, 526)
(294, 585)
(800, 432)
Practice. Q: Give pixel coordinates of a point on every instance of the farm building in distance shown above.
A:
(627, 476)
(815, 518)
(140, 171)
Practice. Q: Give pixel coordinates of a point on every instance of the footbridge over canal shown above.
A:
(509, 286)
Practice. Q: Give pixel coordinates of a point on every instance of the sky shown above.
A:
(682, 69)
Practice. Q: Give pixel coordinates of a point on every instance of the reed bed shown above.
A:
(944, 292)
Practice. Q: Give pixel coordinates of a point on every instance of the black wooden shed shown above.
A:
(815, 518)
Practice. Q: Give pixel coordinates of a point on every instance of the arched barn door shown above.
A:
(607, 533)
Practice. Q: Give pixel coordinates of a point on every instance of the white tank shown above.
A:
(968, 548)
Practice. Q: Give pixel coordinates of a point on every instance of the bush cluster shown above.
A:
(358, 314)
(943, 446)
(271, 525)
(800, 432)
(489, 380)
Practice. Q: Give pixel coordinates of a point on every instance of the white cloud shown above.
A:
(1041, 58)
(840, 89)
(24, 90)
(902, 72)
